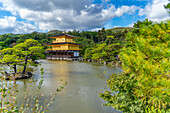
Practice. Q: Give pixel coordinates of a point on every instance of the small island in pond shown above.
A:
(19, 58)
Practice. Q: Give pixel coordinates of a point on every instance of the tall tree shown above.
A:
(101, 35)
(105, 52)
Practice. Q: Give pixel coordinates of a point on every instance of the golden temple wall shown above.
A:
(65, 48)
(59, 40)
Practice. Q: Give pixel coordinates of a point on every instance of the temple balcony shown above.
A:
(63, 40)
(58, 56)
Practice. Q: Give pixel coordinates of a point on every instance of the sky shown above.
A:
(26, 16)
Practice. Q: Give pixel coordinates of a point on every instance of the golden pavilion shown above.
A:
(63, 47)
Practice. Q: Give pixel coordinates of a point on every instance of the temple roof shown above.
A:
(63, 35)
(62, 43)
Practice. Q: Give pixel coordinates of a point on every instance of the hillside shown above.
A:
(53, 32)
(121, 29)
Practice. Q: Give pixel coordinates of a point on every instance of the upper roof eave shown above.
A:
(63, 43)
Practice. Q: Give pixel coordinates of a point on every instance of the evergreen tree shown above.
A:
(21, 54)
(144, 84)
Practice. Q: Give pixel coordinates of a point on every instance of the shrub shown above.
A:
(144, 86)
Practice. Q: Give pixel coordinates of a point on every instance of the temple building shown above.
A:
(63, 47)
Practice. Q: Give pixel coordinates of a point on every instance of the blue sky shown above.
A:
(26, 16)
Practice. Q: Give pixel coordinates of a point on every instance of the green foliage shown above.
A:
(9, 40)
(88, 53)
(93, 41)
(86, 44)
(146, 22)
(20, 53)
(108, 46)
(103, 51)
(101, 35)
(144, 85)
(168, 7)
(118, 29)
(2, 45)
(11, 59)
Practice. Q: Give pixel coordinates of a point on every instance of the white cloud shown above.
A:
(155, 11)
(9, 24)
(126, 9)
(9, 5)
(62, 15)
(116, 26)
(96, 29)
(130, 25)
(112, 12)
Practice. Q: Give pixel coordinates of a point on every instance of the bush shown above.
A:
(144, 86)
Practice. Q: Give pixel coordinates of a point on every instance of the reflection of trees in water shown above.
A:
(4, 68)
(26, 83)
(110, 69)
(19, 68)
(101, 76)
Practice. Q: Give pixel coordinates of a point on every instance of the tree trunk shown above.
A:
(25, 65)
(15, 68)
(110, 41)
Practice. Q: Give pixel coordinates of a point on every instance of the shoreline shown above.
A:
(16, 76)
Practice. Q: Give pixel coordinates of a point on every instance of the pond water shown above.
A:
(85, 81)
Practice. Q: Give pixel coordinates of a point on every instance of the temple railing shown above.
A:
(59, 56)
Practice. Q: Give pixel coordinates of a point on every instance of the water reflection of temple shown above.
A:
(63, 47)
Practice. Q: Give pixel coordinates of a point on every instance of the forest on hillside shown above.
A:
(87, 38)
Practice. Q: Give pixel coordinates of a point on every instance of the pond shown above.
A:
(85, 81)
